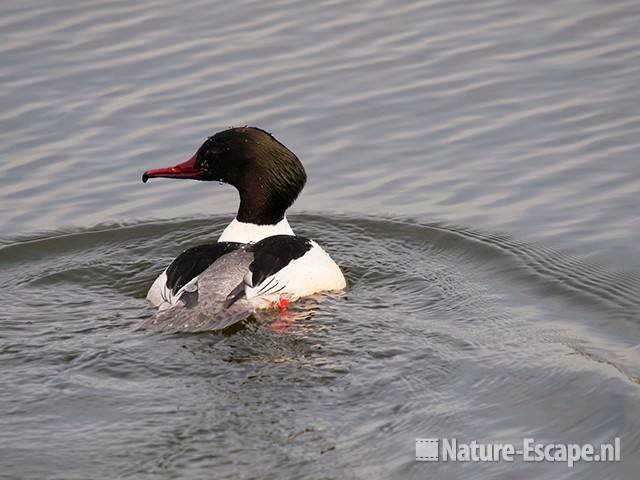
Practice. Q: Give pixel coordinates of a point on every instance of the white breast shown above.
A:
(250, 232)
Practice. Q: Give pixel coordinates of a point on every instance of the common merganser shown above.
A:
(278, 266)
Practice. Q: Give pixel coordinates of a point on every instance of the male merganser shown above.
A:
(250, 277)
(278, 267)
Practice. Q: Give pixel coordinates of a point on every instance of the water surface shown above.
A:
(473, 166)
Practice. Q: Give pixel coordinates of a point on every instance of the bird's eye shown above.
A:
(203, 161)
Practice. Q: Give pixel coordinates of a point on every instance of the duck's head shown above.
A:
(267, 174)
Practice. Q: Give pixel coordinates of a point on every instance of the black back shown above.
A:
(193, 261)
(274, 253)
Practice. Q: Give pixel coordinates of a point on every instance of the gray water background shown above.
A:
(473, 166)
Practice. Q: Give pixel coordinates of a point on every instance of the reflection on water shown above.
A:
(499, 114)
(504, 116)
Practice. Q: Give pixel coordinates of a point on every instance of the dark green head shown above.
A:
(267, 174)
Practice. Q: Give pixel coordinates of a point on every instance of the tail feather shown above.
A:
(186, 320)
(235, 295)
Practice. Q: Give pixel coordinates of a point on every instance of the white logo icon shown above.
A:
(427, 449)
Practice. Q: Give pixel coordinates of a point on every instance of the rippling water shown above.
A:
(472, 165)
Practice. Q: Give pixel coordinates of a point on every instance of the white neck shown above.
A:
(250, 232)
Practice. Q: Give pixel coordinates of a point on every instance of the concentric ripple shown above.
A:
(443, 331)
